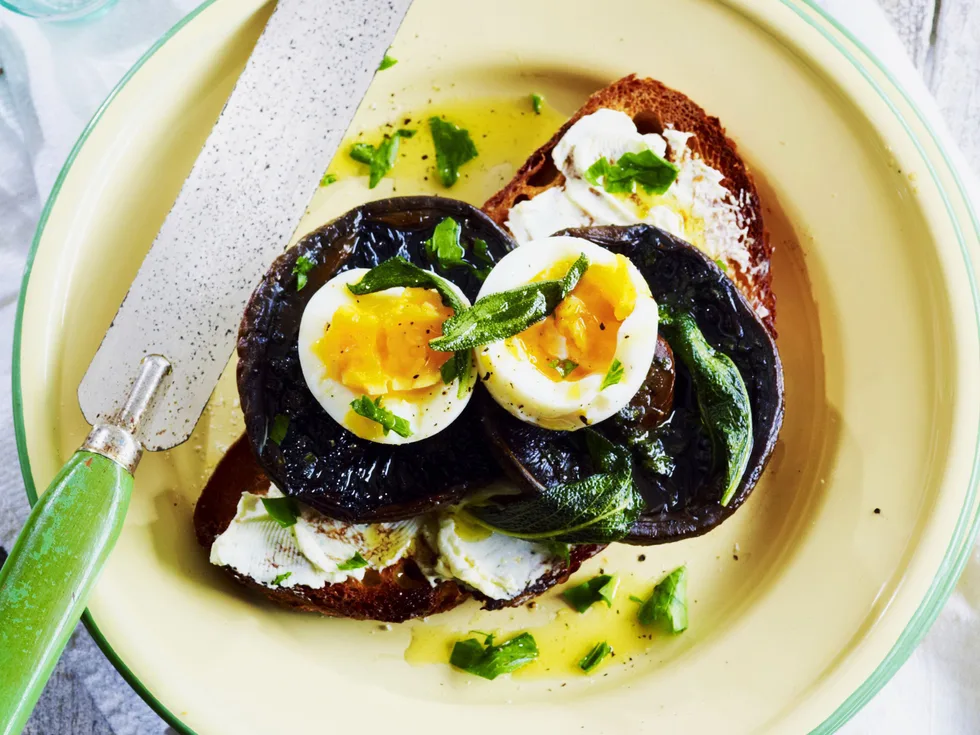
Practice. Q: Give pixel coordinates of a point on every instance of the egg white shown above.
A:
(432, 409)
(567, 405)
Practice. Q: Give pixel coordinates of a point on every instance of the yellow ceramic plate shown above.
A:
(802, 605)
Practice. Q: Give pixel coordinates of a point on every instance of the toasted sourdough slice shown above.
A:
(655, 107)
(395, 594)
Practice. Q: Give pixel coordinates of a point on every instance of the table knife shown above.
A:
(172, 337)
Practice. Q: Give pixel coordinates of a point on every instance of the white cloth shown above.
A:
(53, 79)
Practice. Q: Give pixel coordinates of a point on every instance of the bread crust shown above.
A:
(395, 594)
(655, 107)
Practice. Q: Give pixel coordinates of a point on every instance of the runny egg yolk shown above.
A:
(584, 328)
(380, 343)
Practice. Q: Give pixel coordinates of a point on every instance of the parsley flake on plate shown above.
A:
(668, 603)
(583, 596)
(454, 147)
(490, 661)
(595, 657)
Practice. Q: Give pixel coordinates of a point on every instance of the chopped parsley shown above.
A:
(304, 264)
(537, 101)
(615, 375)
(328, 179)
(564, 367)
(443, 247)
(645, 169)
(490, 661)
(374, 411)
(386, 63)
(280, 578)
(284, 511)
(560, 550)
(280, 425)
(381, 158)
(454, 147)
(481, 251)
(586, 594)
(355, 562)
(595, 657)
(721, 264)
(668, 603)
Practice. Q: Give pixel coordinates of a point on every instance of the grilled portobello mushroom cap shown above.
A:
(673, 463)
(319, 461)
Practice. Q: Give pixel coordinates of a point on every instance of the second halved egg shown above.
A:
(585, 361)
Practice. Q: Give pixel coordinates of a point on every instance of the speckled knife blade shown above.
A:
(239, 206)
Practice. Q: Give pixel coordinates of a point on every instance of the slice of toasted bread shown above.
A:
(654, 108)
(398, 593)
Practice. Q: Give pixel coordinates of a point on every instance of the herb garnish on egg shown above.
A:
(500, 315)
(374, 411)
(613, 376)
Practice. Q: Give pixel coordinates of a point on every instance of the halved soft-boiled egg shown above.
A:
(367, 360)
(585, 361)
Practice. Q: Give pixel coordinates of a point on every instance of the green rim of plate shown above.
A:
(967, 526)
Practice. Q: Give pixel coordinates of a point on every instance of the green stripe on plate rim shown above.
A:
(965, 532)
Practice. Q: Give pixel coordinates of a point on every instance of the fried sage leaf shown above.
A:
(492, 661)
(723, 399)
(597, 510)
(504, 314)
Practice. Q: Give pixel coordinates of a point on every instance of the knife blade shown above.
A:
(157, 366)
(238, 208)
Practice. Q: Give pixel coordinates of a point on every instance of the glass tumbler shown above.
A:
(56, 9)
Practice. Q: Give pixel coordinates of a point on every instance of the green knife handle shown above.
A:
(46, 580)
